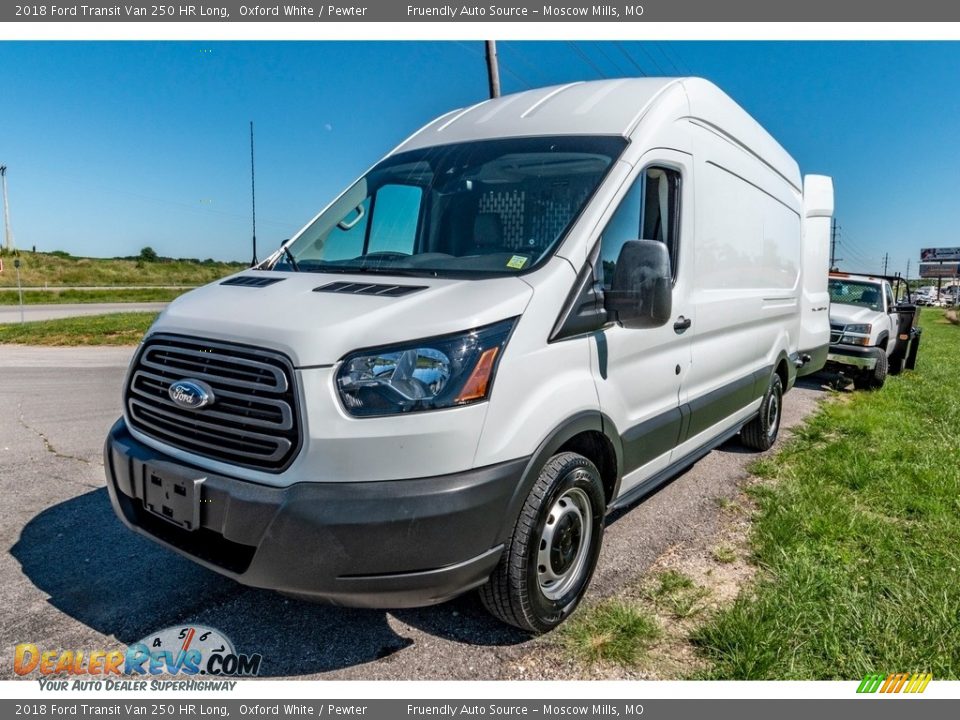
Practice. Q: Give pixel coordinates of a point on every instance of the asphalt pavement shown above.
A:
(71, 576)
(11, 313)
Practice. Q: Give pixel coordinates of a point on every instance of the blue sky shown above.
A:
(115, 146)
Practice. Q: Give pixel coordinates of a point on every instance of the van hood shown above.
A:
(316, 326)
(842, 314)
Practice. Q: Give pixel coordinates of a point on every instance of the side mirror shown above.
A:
(641, 294)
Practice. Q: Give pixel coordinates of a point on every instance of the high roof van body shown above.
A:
(531, 312)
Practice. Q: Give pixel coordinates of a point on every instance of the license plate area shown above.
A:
(172, 496)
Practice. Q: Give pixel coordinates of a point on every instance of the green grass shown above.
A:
(858, 537)
(677, 594)
(115, 329)
(724, 554)
(106, 295)
(53, 269)
(612, 631)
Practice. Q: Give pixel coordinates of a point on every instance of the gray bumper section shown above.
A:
(855, 355)
(388, 544)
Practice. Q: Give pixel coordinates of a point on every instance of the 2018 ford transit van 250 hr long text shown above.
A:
(529, 313)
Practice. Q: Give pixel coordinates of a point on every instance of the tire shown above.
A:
(879, 375)
(549, 559)
(761, 432)
(911, 362)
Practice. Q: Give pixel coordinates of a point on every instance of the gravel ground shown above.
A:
(72, 576)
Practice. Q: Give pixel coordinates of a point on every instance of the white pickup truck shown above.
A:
(870, 334)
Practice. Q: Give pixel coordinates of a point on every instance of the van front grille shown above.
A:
(836, 332)
(252, 421)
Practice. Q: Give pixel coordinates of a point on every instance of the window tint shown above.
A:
(649, 211)
(851, 292)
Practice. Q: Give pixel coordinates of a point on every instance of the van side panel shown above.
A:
(815, 300)
(747, 280)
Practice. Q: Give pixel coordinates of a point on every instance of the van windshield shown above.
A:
(469, 209)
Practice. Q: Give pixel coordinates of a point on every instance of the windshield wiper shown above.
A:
(290, 257)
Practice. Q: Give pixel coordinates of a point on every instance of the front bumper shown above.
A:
(388, 544)
(853, 355)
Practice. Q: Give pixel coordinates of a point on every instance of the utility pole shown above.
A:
(8, 233)
(833, 244)
(253, 199)
(493, 69)
(886, 260)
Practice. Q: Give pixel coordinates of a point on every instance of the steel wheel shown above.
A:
(564, 543)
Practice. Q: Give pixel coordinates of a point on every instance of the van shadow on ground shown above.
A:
(123, 585)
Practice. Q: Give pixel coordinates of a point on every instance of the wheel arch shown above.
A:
(591, 434)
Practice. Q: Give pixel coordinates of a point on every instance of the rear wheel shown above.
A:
(761, 432)
(549, 560)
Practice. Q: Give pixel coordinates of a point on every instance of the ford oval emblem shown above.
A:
(191, 394)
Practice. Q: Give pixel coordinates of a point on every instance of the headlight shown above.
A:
(437, 373)
(857, 334)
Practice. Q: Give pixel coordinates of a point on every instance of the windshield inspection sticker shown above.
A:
(517, 262)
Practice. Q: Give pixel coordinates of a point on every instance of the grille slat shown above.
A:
(253, 421)
(218, 368)
(276, 413)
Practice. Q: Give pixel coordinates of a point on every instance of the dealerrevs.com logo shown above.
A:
(175, 651)
(908, 683)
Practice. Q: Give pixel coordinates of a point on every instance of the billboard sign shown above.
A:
(938, 254)
(946, 270)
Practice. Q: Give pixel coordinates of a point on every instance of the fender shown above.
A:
(587, 421)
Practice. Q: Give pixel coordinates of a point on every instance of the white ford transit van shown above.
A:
(531, 312)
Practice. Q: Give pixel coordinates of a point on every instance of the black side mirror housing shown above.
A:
(641, 293)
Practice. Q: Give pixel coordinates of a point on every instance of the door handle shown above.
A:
(681, 324)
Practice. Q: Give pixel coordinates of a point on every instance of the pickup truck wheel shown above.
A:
(761, 432)
(550, 557)
(879, 375)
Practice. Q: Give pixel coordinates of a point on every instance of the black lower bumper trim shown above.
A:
(399, 543)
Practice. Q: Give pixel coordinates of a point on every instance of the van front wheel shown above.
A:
(550, 557)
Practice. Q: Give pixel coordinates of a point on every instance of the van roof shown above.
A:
(603, 107)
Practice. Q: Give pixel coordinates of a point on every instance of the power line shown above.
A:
(586, 58)
(627, 55)
(503, 65)
(660, 48)
(521, 56)
(609, 59)
(680, 63)
(652, 59)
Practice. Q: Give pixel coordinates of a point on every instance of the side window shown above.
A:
(649, 211)
(396, 213)
(890, 301)
(345, 240)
